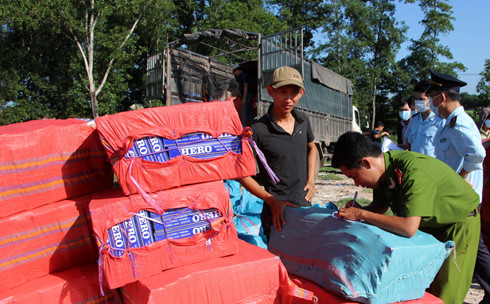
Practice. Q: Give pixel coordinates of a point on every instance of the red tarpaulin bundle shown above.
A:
(111, 208)
(45, 240)
(119, 131)
(45, 161)
(75, 285)
(253, 275)
(325, 297)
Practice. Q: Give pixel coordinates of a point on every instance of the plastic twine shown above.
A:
(143, 193)
(247, 135)
(102, 248)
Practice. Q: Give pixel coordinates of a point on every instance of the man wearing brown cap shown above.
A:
(285, 137)
(458, 144)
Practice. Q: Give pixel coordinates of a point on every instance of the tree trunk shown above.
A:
(374, 102)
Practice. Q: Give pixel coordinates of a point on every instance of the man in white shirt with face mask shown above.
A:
(425, 124)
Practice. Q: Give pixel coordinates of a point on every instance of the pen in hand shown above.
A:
(354, 200)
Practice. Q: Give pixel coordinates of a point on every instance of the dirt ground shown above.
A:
(332, 190)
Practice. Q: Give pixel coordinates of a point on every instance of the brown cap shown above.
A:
(286, 75)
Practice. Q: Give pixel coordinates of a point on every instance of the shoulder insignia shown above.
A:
(399, 175)
(453, 121)
(442, 140)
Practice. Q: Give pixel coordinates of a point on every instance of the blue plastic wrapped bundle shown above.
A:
(246, 209)
(358, 261)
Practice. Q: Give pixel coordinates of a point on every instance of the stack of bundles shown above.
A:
(186, 225)
(358, 261)
(167, 147)
(247, 209)
(49, 170)
(253, 275)
(45, 161)
(170, 227)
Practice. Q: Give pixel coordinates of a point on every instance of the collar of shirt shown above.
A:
(294, 112)
(456, 112)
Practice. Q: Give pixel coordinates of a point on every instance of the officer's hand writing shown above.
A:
(350, 213)
(311, 191)
(277, 209)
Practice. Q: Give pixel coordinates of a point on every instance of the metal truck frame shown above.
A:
(177, 75)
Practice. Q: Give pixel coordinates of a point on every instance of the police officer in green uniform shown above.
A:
(423, 193)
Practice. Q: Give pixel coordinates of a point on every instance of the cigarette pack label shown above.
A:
(130, 233)
(143, 227)
(183, 222)
(156, 145)
(117, 241)
(203, 146)
(148, 148)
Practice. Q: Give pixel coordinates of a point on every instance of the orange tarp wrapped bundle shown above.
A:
(200, 227)
(44, 240)
(75, 285)
(166, 147)
(325, 297)
(253, 275)
(45, 161)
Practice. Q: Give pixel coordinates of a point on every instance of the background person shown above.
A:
(247, 93)
(405, 110)
(377, 133)
(459, 145)
(424, 125)
(423, 193)
(285, 137)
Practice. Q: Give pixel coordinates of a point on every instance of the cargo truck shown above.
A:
(177, 75)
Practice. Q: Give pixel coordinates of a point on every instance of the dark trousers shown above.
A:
(482, 270)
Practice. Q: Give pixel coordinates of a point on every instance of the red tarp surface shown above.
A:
(44, 240)
(45, 161)
(75, 285)
(254, 275)
(111, 207)
(118, 131)
(325, 297)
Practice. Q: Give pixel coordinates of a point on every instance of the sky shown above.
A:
(469, 42)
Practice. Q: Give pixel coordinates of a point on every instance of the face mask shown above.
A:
(405, 115)
(434, 108)
(487, 123)
(413, 113)
(421, 106)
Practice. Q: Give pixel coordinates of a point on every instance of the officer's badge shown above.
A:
(453, 121)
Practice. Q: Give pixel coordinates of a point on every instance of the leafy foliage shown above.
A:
(54, 64)
(483, 86)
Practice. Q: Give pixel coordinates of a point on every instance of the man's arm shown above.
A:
(378, 135)
(277, 206)
(312, 164)
(405, 226)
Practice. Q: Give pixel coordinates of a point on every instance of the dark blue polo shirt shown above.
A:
(286, 154)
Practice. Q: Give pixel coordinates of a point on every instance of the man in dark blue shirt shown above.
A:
(285, 137)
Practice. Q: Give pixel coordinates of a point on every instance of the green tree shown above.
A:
(483, 86)
(427, 52)
(300, 13)
(362, 39)
(99, 44)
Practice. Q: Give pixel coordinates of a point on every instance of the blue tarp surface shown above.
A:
(246, 210)
(356, 260)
